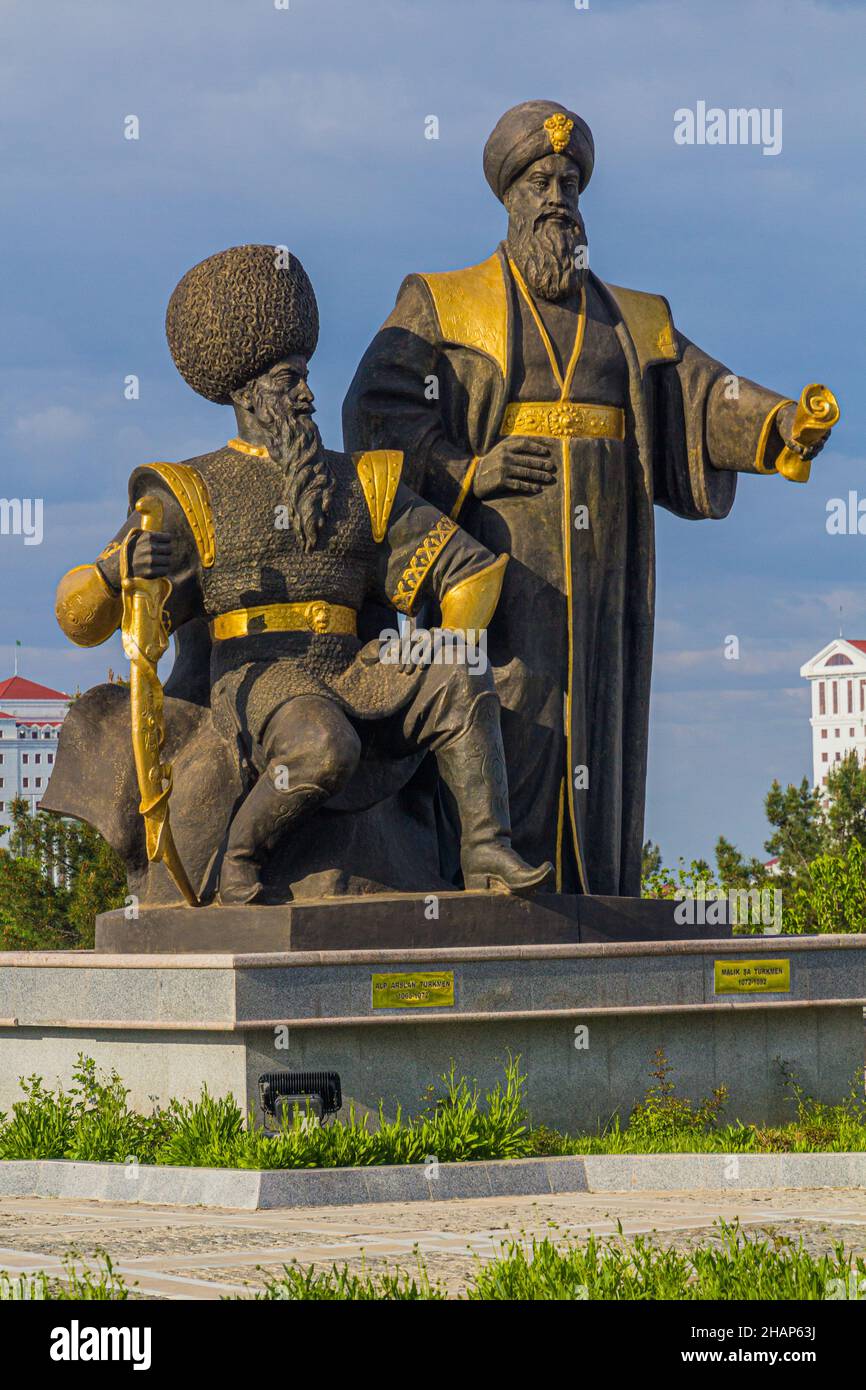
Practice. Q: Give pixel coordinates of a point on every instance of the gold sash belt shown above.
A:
(564, 420)
(314, 616)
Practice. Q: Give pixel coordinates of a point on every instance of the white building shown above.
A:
(30, 720)
(838, 678)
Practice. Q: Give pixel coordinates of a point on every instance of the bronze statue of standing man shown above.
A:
(551, 411)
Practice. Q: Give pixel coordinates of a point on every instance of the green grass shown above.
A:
(456, 1123)
(551, 1269)
(554, 1269)
(81, 1282)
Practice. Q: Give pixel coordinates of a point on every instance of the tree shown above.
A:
(55, 876)
(796, 816)
(819, 838)
(845, 815)
(733, 870)
(650, 859)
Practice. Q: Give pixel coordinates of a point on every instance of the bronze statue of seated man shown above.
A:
(277, 543)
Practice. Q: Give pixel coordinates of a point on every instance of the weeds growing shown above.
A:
(557, 1269)
(456, 1123)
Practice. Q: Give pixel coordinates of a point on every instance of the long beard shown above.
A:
(544, 251)
(294, 442)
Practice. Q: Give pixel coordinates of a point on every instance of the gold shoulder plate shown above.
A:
(190, 490)
(648, 320)
(472, 308)
(379, 474)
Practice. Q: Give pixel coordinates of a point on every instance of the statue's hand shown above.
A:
(149, 555)
(514, 465)
(785, 426)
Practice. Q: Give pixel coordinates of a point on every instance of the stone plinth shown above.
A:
(398, 921)
(170, 1023)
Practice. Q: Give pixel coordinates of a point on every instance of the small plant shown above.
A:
(83, 1283)
(664, 1116)
(42, 1124)
(338, 1284)
(202, 1133)
(91, 1120)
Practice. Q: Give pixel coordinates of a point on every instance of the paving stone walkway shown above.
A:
(181, 1253)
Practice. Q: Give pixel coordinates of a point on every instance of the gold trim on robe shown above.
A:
(472, 308)
(465, 487)
(649, 323)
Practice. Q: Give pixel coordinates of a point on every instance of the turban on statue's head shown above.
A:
(530, 131)
(236, 314)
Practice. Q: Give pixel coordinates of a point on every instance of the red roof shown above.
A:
(19, 688)
(4, 715)
(860, 645)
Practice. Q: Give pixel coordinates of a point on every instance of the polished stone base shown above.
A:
(398, 921)
(585, 1020)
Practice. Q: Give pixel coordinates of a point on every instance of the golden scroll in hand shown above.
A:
(817, 413)
(145, 638)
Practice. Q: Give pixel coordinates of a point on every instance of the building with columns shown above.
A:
(30, 720)
(838, 680)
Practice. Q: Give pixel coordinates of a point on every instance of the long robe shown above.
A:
(571, 642)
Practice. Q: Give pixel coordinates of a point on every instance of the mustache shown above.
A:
(558, 215)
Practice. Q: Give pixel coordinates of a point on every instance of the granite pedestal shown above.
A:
(174, 1021)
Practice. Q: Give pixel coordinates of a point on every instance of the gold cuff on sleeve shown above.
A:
(760, 466)
(87, 609)
(472, 602)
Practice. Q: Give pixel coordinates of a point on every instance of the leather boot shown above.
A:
(473, 770)
(264, 814)
(309, 744)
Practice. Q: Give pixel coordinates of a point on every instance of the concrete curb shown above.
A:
(324, 1187)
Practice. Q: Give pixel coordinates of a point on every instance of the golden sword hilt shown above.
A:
(817, 412)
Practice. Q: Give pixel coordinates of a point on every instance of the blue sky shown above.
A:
(305, 126)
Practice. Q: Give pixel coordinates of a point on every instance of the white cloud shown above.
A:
(55, 424)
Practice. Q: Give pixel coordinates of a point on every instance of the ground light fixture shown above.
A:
(316, 1093)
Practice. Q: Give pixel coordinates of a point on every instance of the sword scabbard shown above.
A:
(145, 639)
